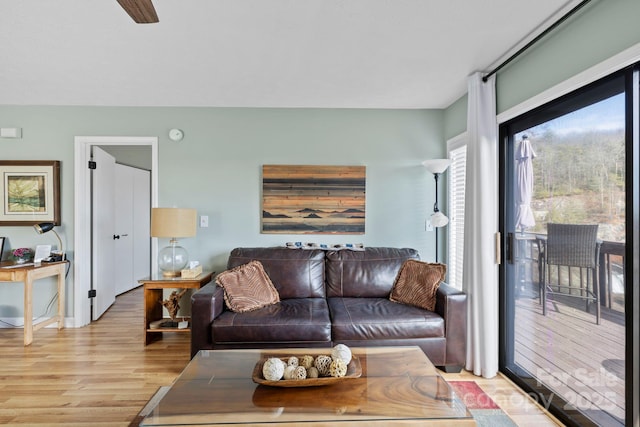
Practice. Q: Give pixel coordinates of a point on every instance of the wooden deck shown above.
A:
(579, 360)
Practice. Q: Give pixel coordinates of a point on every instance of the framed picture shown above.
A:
(30, 192)
(313, 199)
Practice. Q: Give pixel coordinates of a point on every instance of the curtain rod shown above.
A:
(536, 39)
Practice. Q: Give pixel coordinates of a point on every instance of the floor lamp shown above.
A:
(438, 219)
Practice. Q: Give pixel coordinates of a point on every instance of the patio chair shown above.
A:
(571, 246)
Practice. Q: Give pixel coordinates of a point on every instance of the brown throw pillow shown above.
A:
(247, 287)
(417, 283)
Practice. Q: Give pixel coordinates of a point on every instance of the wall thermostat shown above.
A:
(176, 135)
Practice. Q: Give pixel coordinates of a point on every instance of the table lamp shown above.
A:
(45, 227)
(173, 223)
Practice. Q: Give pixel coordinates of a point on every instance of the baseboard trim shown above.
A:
(18, 322)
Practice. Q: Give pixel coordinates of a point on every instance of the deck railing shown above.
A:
(611, 275)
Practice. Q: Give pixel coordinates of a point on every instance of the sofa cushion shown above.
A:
(247, 287)
(295, 273)
(379, 318)
(369, 273)
(417, 284)
(290, 320)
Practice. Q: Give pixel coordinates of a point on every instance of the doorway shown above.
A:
(565, 293)
(82, 213)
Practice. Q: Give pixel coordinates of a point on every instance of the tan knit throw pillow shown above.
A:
(417, 283)
(247, 287)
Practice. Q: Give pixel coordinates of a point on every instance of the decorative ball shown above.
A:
(293, 361)
(338, 368)
(273, 369)
(312, 372)
(299, 373)
(288, 372)
(322, 364)
(341, 351)
(306, 361)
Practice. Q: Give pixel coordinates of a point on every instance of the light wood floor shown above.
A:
(102, 374)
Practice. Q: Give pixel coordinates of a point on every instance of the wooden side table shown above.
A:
(28, 274)
(153, 287)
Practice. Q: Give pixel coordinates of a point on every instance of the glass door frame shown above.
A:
(534, 388)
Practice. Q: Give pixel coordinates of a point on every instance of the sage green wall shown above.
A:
(216, 169)
(455, 118)
(601, 30)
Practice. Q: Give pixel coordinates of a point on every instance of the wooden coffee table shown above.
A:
(398, 386)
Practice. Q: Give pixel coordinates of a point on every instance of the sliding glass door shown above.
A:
(565, 219)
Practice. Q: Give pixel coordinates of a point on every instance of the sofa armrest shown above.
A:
(451, 304)
(206, 304)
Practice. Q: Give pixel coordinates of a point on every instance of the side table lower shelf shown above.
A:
(153, 295)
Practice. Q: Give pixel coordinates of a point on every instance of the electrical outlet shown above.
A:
(427, 225)
(204, 221)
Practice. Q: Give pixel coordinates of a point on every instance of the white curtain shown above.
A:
(480, 272)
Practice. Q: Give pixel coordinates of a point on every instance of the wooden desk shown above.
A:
(28, 274)
(153, 287)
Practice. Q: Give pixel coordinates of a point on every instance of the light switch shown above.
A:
(427, 225)
(204, 221)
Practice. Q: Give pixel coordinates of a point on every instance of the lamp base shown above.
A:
(171, 273)
(172, 259)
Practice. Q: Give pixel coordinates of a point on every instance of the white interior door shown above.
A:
(103, 230)
(132, 223)
(141, 224)
(123, 237)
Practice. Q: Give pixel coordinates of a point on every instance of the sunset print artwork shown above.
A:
(313, 199)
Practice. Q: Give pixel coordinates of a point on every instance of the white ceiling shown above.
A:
(258, 53)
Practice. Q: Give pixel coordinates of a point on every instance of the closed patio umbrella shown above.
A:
(524, 184)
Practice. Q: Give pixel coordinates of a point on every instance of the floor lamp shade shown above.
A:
(436, 165)
(438, 219)
(173, 223)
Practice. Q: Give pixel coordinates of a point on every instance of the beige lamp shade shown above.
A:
(173, 222)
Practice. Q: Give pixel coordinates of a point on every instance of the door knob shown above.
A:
(116, 236)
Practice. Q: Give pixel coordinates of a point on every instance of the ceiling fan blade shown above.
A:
(141, 11)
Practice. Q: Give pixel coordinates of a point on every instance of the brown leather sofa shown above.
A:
(330, 297)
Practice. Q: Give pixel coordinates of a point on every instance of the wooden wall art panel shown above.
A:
(313, 199)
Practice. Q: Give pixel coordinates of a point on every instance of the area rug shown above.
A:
(484, 410)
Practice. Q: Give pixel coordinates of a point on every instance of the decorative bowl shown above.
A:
(354, 370)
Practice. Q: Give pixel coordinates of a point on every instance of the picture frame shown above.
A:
(313, 199)
(30, 192)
